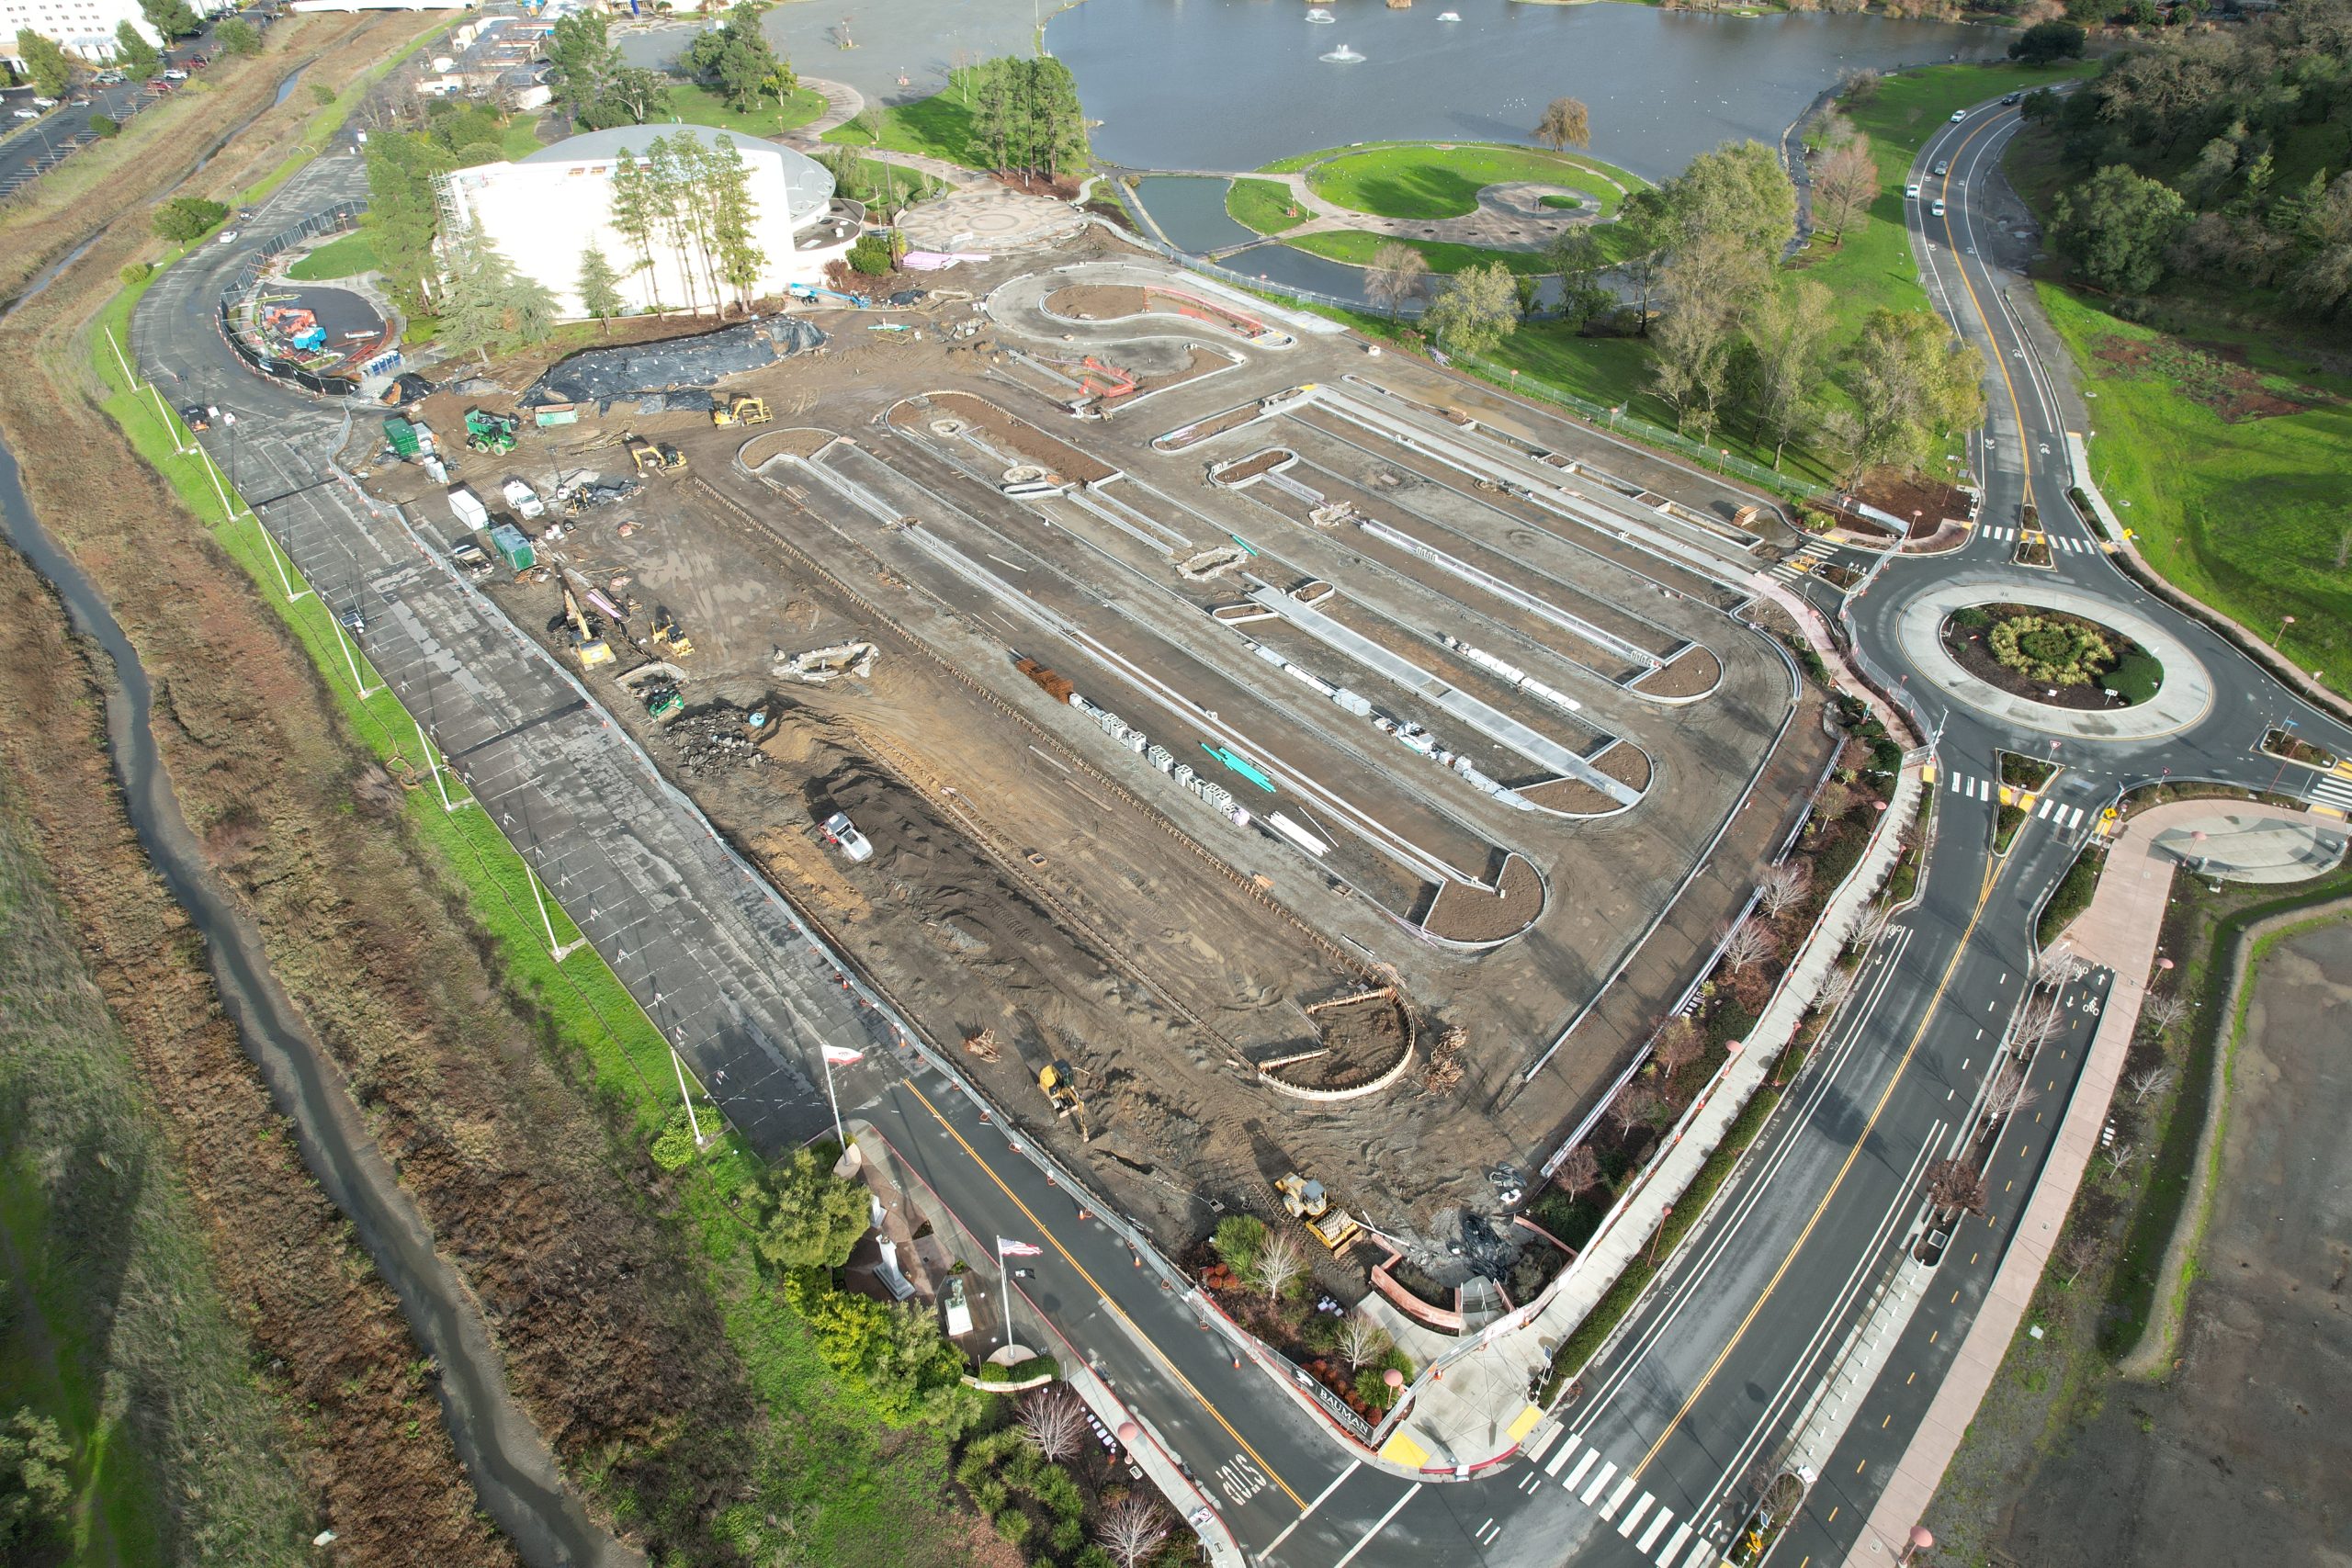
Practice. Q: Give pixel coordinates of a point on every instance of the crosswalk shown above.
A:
(1806, 560)
(1598, 1483)
(2334, 790)
(2066, 819)
(1972, 789)
(2060, 543)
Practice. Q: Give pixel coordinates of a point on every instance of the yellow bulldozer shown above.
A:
(1305, 1201)
(1061, 1088)
(653, 456)
(740, 409)
(668, 636)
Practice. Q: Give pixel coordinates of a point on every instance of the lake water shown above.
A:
(1217, 84)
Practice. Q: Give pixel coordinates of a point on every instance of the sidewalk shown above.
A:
(2118, 930)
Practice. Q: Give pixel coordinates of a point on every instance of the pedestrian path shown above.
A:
(2333, 791)
(2066, 818)
(2058, 542)
(1809, 559)
(1599, 1484)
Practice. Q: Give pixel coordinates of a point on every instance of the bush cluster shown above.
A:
(2055, 652)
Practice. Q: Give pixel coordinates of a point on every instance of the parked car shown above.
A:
(44, 103)
(27, 114)
(175, 74)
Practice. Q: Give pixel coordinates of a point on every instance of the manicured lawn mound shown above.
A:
(1265, 206)
(349, 256)
(700, 105)
(2245, 515)
(940, 126)
(1357, 248)
(1419, 179)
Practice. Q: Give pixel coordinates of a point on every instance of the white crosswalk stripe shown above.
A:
(1558, 1460)
(2074, 815)
(1592, 1457)
(2334, 790)
(1634, 1514)
(1607, 1473)
(2001, 535)
(1703, 1551)
(1673, 1544)
(1974, 789)
(2046, 808)
(1805, 560)
(1617, 1500)
(1658, 1522)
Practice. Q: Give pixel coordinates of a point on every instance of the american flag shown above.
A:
(1006, 1247)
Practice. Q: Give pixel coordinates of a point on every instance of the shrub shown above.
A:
(1372, 1387)
(2055, 652)
(870, 255)
(674, 1149)
(103, 128)
(136, 273)
(1239, 1239)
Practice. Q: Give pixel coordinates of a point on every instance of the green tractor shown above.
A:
(491, 433)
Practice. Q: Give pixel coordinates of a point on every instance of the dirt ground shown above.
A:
(2241, 1455)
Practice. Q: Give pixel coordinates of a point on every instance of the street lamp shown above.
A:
(2284, 622)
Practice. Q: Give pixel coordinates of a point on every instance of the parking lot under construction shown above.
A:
(1297, 742)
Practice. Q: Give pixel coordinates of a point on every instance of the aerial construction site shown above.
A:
(1307, 760)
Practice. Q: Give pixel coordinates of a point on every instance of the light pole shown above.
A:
(2284, 622)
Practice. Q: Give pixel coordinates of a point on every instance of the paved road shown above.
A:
(32, 149)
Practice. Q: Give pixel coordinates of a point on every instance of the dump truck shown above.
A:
(1305, 1201)
(740, 409)
(653, 456)
(471, 558)
(1060, 1085)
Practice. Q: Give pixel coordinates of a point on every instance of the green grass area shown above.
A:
(111, 1324)
(697, 105)
(2247, 515)
(871, 180)
(2073, 893)
(1266, 206)
(940, 126)
(1357, 248)
(345, 257)
(1425, 180)
(845, 1487)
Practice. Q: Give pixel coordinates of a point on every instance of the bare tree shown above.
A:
(1748, 943)
(1579, 1173)
(1781, 887)
(1844, 186)
(2062, 966)
(1132, 1528)
(2076, 1253)
(2010, 1093)
(1871, 926)
(1054, 1422)
(1279, 1263)
(2161, 1013)
(1633, 1108)
(1397, 273)
(1362, 1340)
(1565, 124)
(2041, 1021)
(1955, 1184)
(1834, 801)
(2119, 1157)
(2149, 1082)
(1837, 990)
(1677, 1045)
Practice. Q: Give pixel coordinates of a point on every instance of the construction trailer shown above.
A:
(512, 547)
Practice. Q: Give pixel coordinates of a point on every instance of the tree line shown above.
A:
(734, 60)
(1026, 112)
(2219, 156)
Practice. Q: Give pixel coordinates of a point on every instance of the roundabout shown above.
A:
(2183, 692)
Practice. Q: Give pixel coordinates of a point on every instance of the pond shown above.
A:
(1230, 84)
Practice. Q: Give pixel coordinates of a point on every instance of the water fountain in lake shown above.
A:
(1319, 15)
(1343, 55)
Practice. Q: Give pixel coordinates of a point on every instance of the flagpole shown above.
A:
(839, 1135)
(1004, 1271)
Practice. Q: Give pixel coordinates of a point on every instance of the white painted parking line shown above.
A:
(1395, 1509)
(1576, 1476)
(1658, 1522)
(1488, 1532)
(1566, 1449)
(1673, 1544)
(1593, 1491)
(1634, 1514)
(1617, 1498)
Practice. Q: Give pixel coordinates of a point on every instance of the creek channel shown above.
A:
(512, 1469)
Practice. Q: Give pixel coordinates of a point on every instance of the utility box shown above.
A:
(512, 547)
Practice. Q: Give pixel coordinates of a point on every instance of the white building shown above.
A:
(543, 213)
(83, 27)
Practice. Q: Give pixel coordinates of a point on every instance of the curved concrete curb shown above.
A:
(2185, 695)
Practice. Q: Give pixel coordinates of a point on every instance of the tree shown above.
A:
(1132, 1528)
(1910, 378)
(1054, 1420)
(1955, 1184)
(1279, 1264)
(46, 63)
(36, 1481)
(2010, 1093)
(727, 198)
(815, 1218)
(1645, 227)
(1860, 87)
(600, 287)
(2161, 1013)
(403, 210)
(171, 19)
(1361, 1342)
(1579, 1173)
(1844, 188)
(2149, 1082)
(2061, 967)
(736, 60)
(2323, 232)
(1710, 284)
(2117, 226)
(1565, 124)
(1238, 1240)
(1747, 944)
(1397, 273)
(104, 129)
(1837, 990)
(896, 1354)
(2041, 1021)
(132, 53)
(633, 203)
(581, 51)
(1633, 1107)
(2077, 1253)
(237, 36)
(1738, 190)
(1475, 311)
(2045, 43)
(2118, 1157)
(1780, 888)
(1788, 337)
(1576, 254)
(634, 94)
(1871, 925)
(1676, 1045)
(187, 219)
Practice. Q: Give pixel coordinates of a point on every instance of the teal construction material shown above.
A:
(1240, 764)
(1243, 543)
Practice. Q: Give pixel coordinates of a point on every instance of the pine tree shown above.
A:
(44, 62)
(733, 213)
(485, 301)
(600, 287)
(633, 217)
(132, 53)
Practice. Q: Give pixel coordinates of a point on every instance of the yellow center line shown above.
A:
(1096, 1287)
(2025, 454)
(1992, 878)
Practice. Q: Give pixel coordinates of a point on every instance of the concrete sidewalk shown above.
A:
(2118, 930)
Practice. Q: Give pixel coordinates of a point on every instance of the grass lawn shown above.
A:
(940, 126)
(1420, 180)
(1356, 247)
(347, 258)
(699, 105)
(1263, 205)
(2246, 516)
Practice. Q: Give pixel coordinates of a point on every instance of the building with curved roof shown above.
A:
(545, 211)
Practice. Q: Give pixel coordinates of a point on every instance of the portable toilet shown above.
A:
(512, 547)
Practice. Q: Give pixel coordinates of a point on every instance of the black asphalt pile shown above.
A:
(632, 372)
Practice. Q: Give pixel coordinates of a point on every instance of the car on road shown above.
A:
(1958, 116)
(1911, 191)
(110, 78)
(2014, 98)
(1937, 210)
(1941, 169)
(227, 235)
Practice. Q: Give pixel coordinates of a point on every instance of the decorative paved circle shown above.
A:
(995, 221)
(2182, 698)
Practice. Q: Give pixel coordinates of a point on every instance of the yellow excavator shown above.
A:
(592, 649)
(740, 409)
(1305, 1201)
(1061, 1087)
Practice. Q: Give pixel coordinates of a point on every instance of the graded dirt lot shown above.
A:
(2241, 1455)
(1440, 699)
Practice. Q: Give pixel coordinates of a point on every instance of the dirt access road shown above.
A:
(2242, 1456)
